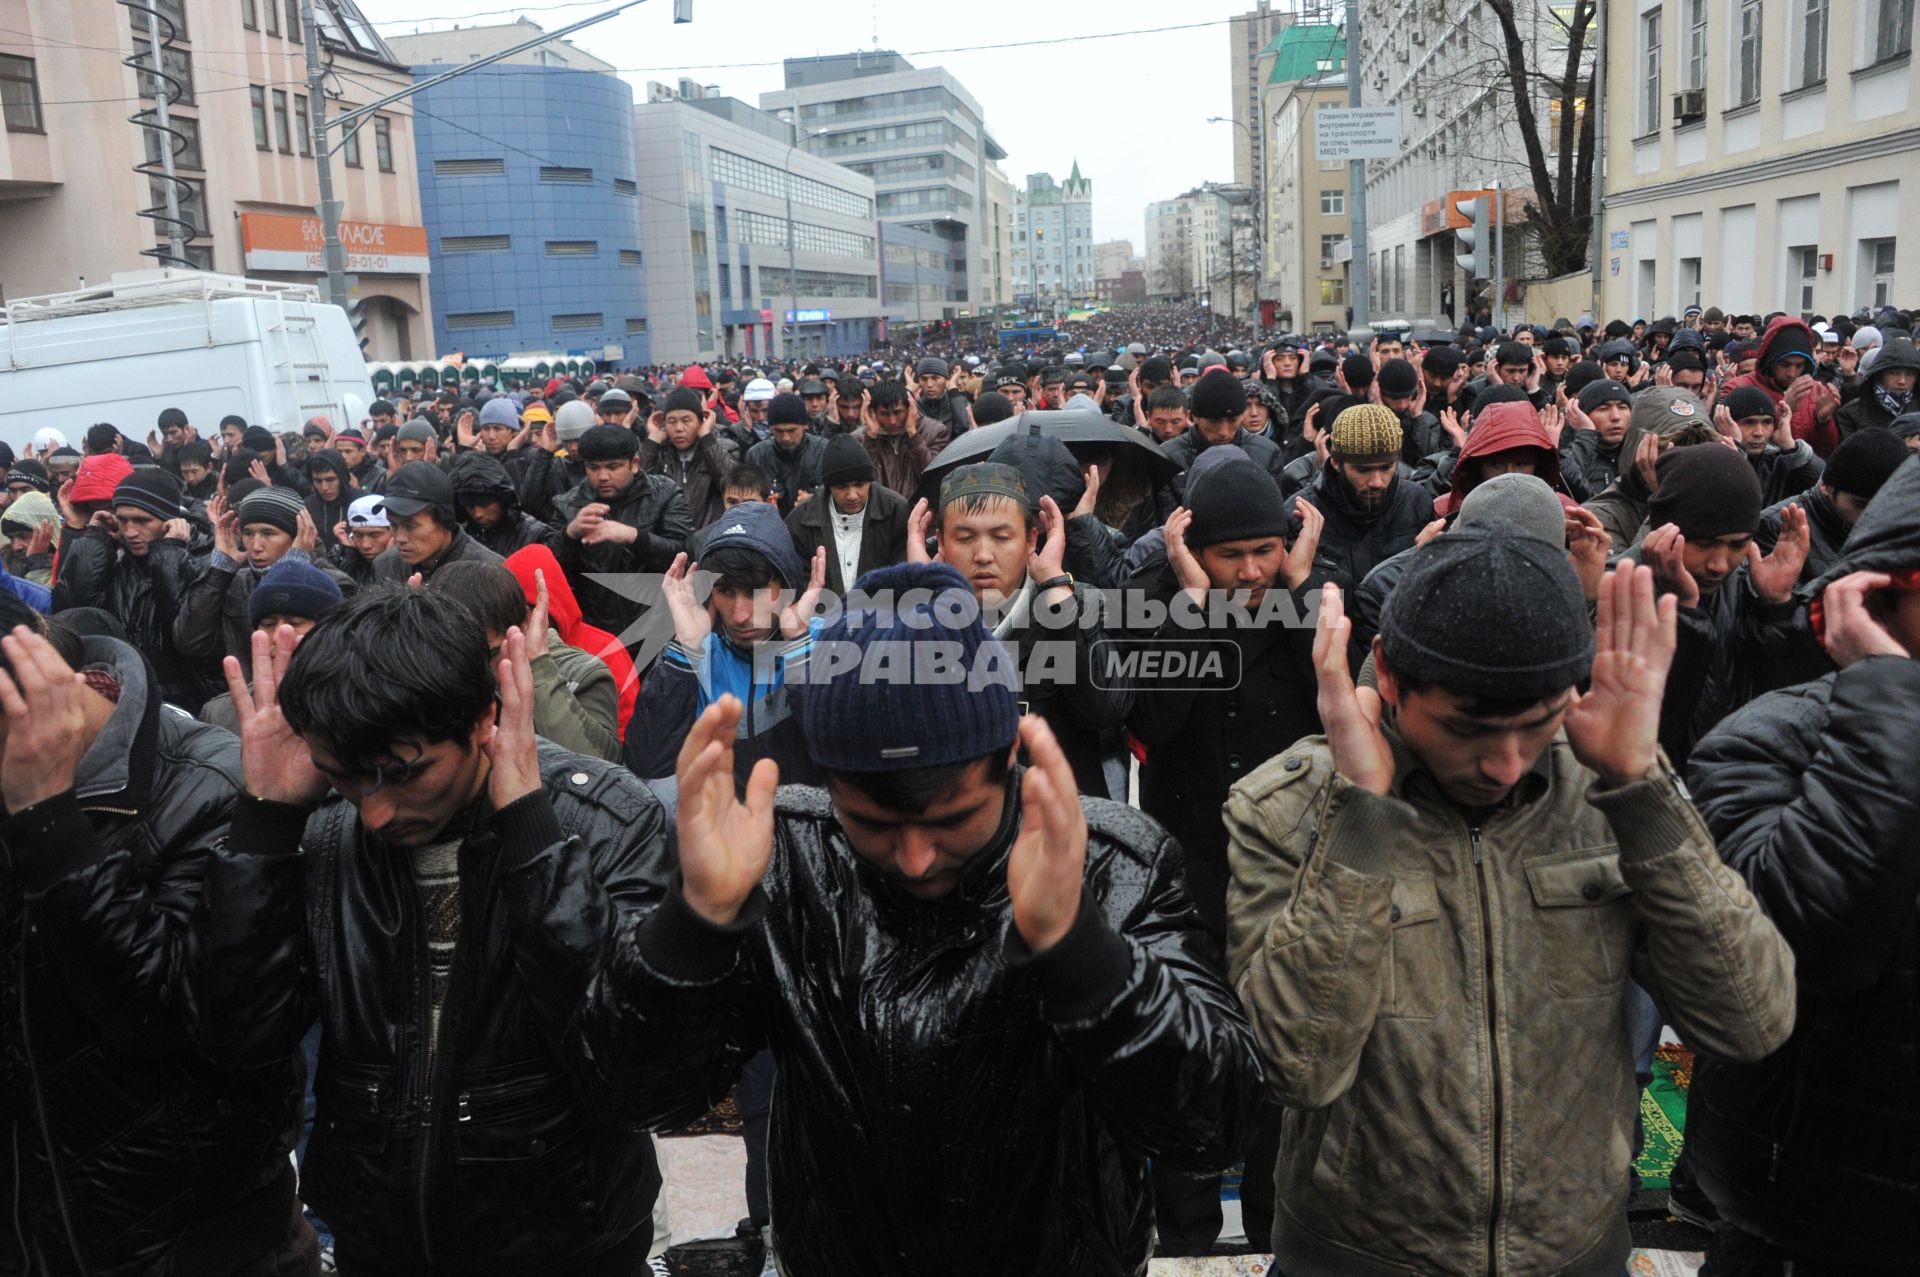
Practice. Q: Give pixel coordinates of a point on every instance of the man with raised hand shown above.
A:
(1436, 907)
(989, 1002)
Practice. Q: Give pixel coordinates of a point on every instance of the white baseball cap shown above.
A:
(47, 437)
(369, 511)
(759, 390)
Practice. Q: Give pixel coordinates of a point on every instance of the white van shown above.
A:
(208, 345)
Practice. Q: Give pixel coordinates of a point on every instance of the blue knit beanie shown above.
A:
(908, 677)
(292, 587)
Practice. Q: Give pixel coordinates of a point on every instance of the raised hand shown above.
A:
(1350, 715)
(1090, 494)
(1723, 422)
(725, 843)
(1300, 555)
(1050, 557)
(41, 540)
(512, 746)
(226, 527)
(656, 427)
(305, 536)
(1433, 529)
(1588, 545)
(63, 497)
(1186, 568)
(1783, 428)
(1553, 423)
(257, 471)
(1663, 551)
(1646, 461)
(340, 533)
(47, 733)
(538, 620)
(919, 519)
(1775, 575)
(1457, 433)
(1614, 728)
(691, 620)
(278, 766)
(1048, 861)
(463, 432)
(1850, 631)
(795, 619)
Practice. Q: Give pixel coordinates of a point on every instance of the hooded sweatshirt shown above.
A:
(1501, 428)
(479, 476)
(327, 513)
(27, 512)
(1789, 336)
(1875, 406)
(563, 614)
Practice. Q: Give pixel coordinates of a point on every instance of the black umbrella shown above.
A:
(1084, 431)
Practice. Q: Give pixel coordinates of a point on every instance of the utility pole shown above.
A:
(1357, 181)
(176, 243)
(1597, 252)
(334, 254)
(1499, 255)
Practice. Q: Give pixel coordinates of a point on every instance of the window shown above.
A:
(20, 94)
(1883, 273)
(258, 96)
(350, 147)
(1696, 19)
(576, 323)
(179, 75)
(469, 168)
(173, 11)
(282, 123)
(625, 186)
(1333, 203)
(746, 280)
(1809, 37)
(636, 327)
(1893, 29)
(726, 285)
(1746, 87)
(697, 242)
(1688, 282)
(187, 156)
(1650, 71)
(1806, 259)
(383, 143)
(571, 176)
(720, 225)
(752, 175)
(475, 243)
(270, 10)
(200, 256)
(573, 248)
(302, 124)
(192, 197)
(630, 257)
(295, 31)
(1333, 292)
(479, 319)
(249, 14)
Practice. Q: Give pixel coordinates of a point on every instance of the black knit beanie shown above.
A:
(1238, 501)
(788, 410)
(681, 399)
(1708, 490)
(1398, 378)
(157, 492)
(1601, 391)
(845, 461)
(1443, 361)
(1219, 396)
(1359, 372)
(1750, 401)
(1863, 461)
(1492, 613)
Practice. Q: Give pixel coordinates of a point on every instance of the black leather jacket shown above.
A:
(652, 503)
(1812, 796)
(998, 1105)
(145, 595)
(499, 1157)
(127, 1152)
(1353, 542)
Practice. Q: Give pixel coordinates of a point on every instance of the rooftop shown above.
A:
(1299, 50)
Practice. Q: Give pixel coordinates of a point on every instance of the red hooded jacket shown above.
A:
(1788, 336)
(563, 613)
(1501, 427)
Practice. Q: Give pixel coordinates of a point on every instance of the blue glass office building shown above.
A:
(528, 191)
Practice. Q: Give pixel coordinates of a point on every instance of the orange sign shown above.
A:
(274, 242)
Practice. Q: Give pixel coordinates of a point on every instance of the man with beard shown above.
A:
(790, 458)
(1370, 513)
(860, 524)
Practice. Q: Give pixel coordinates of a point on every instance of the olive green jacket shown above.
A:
(575, 703)
(1442, 1007)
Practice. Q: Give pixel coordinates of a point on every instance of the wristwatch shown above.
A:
(1065, 578)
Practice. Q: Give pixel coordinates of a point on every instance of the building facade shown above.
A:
(1170, 262)
(1444, 68)
(753, 247)
(1201, 247)
(1053, 240)
(531, 200)
(918, 135)
(75, 174)
(1307, 224)
(997, 238)
(1757, 154)
(1249, 38)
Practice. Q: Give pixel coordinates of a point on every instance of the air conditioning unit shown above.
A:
(1420, 109)
(1689, 104)
(1419, 36)
(1326, 263)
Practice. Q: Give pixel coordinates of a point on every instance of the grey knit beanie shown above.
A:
(1490, 612)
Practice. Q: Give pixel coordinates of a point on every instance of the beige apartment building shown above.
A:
(75, 172)
(1756, 155)
(1307, 224)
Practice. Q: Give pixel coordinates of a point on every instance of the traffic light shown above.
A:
(357, 316)
(1476, 238)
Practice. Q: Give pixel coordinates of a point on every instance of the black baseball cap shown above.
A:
(417, 486)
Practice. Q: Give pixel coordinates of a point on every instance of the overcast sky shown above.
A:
(1132, 109)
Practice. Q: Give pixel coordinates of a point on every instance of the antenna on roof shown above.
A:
(876, 25)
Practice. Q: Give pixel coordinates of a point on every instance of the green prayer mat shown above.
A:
(1663, 1112)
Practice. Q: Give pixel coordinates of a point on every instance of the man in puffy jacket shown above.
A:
(1783, 371)
(426, 531)
(683, 447)
(939, 400)
(790, 458)
(489, 505)
(1886, 389)
(973, 982)
(1590, 455)
(1507, 438)
(1814, 799)
(403, 870)
(271, 525)
(131, 1153)
(119, 553)
(1435, 912)
(1218, 403)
